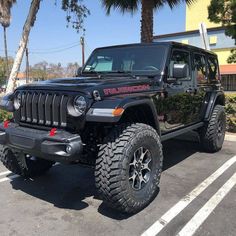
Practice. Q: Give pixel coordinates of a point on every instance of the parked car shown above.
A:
(115, 115)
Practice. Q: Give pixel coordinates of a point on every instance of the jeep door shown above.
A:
(181, 102)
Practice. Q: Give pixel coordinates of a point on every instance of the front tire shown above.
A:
(213, 133)
(24, 165)
(128, 167)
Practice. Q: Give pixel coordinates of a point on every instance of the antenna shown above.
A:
(204, 36)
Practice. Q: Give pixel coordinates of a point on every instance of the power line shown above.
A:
(55, 51)
(49, 51)
(56, 48)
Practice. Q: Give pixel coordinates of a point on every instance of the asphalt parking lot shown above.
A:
(197, 196)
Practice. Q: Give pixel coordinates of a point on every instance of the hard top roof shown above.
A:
(167, 44)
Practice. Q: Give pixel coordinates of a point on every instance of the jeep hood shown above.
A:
(86, 85)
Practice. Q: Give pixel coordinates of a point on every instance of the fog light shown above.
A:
(6, 124)
(68, 149)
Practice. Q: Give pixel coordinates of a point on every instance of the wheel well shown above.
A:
(220, 100)
(140, 114)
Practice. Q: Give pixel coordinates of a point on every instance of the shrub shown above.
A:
(4, 115)
(230, 109)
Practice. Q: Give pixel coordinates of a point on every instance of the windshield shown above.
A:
(138, 60)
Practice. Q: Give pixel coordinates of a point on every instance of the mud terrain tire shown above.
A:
(213, 133)
(128, 167)
(30, 167)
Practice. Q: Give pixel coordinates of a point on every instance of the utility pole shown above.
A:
(6, 56)
(27, 65)
(82, 45)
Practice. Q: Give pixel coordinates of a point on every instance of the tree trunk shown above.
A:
(6, 55)
(147, 21)
(23, 43)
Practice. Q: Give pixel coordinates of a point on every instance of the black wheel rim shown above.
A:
(140, 168)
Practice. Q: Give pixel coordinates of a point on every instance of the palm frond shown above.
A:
(132, 5)
(173, 3)
(122, 5)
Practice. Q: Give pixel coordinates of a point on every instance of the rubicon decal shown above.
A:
(129, 89)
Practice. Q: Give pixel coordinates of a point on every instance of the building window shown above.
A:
(213, 40)
(228, 82)
(185, 41)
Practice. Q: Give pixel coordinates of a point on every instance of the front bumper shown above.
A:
(63, 147)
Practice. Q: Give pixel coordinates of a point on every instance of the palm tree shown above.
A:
(29, 23)
(148, 7)
(5, 19)
(76, 12)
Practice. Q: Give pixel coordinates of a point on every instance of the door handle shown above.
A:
(189, 90)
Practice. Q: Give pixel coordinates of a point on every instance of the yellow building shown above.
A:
(197, 13)
(219, 43)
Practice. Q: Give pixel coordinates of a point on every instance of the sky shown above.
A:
(50, 35)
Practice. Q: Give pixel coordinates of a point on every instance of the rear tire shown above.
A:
(213, 133)
(23, 165)
(128, 167)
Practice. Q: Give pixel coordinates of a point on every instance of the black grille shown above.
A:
(43, 108)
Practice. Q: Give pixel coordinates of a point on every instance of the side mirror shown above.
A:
(78, 72)
(180, 71)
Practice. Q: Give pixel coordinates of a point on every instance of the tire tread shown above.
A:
(208, 134)
(109, 172)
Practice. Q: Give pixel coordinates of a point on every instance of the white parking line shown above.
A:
(191, 227)
(13, 176)
(5, 173)
(184, 202)
(9, 178)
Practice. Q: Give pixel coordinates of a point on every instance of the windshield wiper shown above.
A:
(92, 72)
(128, 73)
(102, 73)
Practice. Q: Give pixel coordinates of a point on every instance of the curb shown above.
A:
(230, 137)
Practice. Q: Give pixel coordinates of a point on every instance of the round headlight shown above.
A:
(80, 105)
(17, 101)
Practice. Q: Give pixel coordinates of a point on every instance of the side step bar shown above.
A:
(181, 131)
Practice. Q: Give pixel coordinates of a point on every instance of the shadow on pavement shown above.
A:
(67, 187)
(176, 151)
(64, 186)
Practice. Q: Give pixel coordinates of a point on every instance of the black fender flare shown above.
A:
(125, 104)
(216, 98)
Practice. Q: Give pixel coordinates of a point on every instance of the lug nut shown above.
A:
(68, 149)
